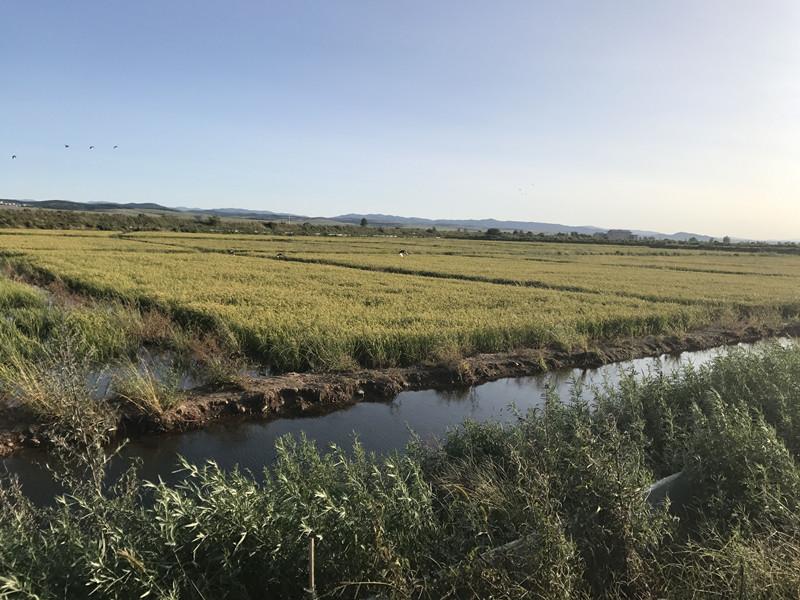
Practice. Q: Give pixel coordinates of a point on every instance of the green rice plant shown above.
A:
(54, 389)
(31, 384)
(294, 316)
(47, 335)
(14, 296)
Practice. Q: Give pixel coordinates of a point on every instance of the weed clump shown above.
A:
(55, 346)
(149, 391)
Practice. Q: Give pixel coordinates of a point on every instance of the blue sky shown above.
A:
(680, 115)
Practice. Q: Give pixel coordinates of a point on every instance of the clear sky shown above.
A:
(678, 115)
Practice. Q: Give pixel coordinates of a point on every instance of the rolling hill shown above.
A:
(374, 219)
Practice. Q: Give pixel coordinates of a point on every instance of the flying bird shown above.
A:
(13, 156)
(66, 145)
(115, 147)
(91, 147)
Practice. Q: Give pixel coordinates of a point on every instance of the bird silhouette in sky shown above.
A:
(14, 156)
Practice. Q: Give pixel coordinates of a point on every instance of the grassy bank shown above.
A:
(552, 507)
(55, 344)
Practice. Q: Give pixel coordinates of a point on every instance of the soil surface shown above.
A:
(292, 394)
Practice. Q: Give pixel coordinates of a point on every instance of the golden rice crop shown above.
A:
(295, 315)
(692, 276)
(640, 281)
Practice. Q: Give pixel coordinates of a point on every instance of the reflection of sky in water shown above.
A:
(160, 366)
(380, 426)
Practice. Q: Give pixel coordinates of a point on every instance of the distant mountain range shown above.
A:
(472, 224)
(92, 206)
(353, 218)
(483, 224)
(243, 213)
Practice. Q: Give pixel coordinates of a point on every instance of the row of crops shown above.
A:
(331, 303)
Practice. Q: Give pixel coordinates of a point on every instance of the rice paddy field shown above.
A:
(322, 303)
(551, 505)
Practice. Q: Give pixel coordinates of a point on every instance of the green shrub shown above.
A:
(552, 506)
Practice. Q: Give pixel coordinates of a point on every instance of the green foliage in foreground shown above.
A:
(552, 507)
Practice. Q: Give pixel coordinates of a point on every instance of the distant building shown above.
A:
(620, 235)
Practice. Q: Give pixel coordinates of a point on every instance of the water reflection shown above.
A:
(380, 426)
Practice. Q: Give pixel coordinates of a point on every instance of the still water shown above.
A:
(380, 426)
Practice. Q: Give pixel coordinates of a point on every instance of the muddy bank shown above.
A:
(294, 394)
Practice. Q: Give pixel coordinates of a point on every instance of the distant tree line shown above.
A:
(45, 218)
(650, 242)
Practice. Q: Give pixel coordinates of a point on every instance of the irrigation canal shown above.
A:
(380, 426)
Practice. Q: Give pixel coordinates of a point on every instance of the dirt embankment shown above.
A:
(294, 394)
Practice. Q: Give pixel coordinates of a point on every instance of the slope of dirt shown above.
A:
(293, 394)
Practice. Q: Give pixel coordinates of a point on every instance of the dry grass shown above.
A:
(149, 391)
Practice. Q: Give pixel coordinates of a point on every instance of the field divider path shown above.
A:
(312, 393)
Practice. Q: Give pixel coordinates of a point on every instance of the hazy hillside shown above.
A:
(373, 219)
(94, 206)
(483, 224)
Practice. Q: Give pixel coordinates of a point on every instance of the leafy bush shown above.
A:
(553, 506)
